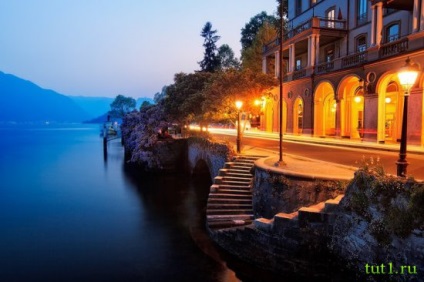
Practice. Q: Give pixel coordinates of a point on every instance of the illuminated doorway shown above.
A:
(325, 109)
(351, 97)
(298, 116)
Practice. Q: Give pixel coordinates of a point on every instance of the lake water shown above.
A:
(69, 214)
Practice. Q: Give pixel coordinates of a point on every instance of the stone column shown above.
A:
(292, 56)
(422, 16)
(264, 66)
(373, 24)
(415, 16)
(317, 49)
(311, 50)
(277, 64)
(379, 23)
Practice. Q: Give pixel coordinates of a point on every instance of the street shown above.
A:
(330, 153)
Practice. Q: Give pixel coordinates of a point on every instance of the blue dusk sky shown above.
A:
(105, 47)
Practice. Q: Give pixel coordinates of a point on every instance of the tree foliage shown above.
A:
(140, 134)
(225, 87)
(184, 97)
(248, 33)
(226, 58)
(160, 95)
(121, 106)
(210, 62)
(252, 56)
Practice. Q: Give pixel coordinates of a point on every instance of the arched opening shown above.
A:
(325, 108)
(390, 109)
(298, 109)
(284, 116)
(351, 97)
(201, 170)
(393, 104)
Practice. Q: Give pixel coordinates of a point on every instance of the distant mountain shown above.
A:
(95, 106)
(100, 106)
(24, 101)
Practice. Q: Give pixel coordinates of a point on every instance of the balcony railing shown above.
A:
(325, 67)
(299, 73)
(393, 48)
(354, 59)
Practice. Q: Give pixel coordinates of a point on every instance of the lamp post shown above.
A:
(407, 76)
(238, 141)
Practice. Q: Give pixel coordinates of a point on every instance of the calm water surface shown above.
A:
(69, 214)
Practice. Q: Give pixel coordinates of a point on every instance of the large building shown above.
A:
(340, 60)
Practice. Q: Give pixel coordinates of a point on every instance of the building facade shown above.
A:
(340, 60)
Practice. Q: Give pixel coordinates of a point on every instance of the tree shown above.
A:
(248, 33)
(226, 58)
(121, 106)
(145, 104)
(252, 56)
(210, 61)
(160, 95)
(225, 87)
(184, 98)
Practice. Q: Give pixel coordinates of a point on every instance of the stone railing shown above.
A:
(299, 73)
(393, 48)
(354, 59)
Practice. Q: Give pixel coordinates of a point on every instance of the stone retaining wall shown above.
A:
(275, 192)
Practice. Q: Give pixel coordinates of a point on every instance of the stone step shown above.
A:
(227, 206)
(332, 204)
(238, 174)
(242, 166)
(247, 162)
(225, 224)
(234, 184)
(244, 170)
(314, 213)
(282, 221)
(238, 178)
(228, 211)
(229, 164)
(231, 200)
(221, 217)
(264, 224)
(230, 196)
(235, 191)
(255, 157)
(231, 186)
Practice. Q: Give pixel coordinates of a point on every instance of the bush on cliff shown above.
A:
(380, 219)
(140, 136)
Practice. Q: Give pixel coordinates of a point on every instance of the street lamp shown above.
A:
(238, 106)
(407, 76)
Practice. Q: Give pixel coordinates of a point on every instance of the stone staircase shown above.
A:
(318, 216)
(230, 198)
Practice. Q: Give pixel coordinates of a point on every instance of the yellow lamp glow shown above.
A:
(239, 104)
(408, 75)
(357, 99)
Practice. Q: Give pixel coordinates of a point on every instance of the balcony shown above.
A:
(299, 74)
(329, 29)
(394, 47)
(354, 59)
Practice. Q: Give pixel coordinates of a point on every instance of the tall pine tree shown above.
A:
(211, 61)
